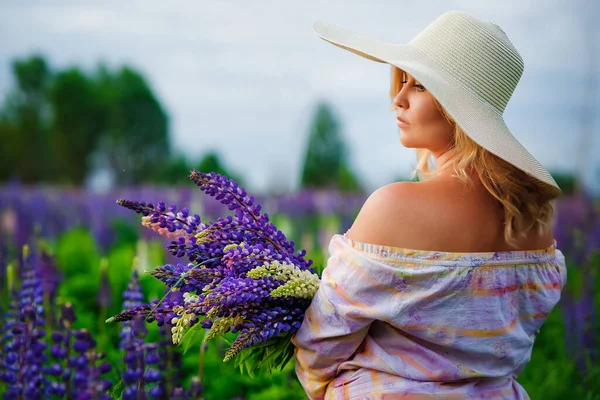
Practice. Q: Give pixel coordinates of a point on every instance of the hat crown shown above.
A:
(477, 53)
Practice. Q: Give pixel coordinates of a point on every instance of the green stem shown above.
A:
(102, 328)
(201, 361)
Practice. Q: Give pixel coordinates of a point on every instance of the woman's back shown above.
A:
(441, 214)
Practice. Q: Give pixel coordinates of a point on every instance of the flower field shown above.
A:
(70, 259)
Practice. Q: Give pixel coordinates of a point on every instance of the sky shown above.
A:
(243, 78)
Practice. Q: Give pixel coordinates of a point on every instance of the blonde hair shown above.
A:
(527, 202)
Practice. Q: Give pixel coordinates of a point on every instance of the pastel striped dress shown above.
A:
(393, 323)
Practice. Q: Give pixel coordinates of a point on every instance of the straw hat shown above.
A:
(470, 66)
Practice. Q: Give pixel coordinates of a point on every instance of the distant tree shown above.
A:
(24, 123)
(211, 162)
(53, 124)
(174, 171)
(566, 181)
(325, 158)
(136, 137)
(10, 149)
(77, 124)
(347, 180)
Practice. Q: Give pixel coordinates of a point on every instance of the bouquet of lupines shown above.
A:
(243, 276)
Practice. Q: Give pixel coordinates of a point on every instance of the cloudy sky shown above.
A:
(243, 77)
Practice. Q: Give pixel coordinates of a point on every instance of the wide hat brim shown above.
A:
(480, 121)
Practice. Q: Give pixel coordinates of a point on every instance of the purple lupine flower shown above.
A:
(216, 284)
(166, 358)
(226, 191)
(9, 348)
(133, 305)
(159, 311)
(154, 374)
(133, 344)
(3, 274)
(236, 296)
(132, 298)
(265, 325)
(27, 355)
(76, 370)
(165, 220)
(88, 368)
(49, 273)
(61, 352)
(178, 393)
(196, 388)
(249, 220)
(142, 375)
(97, 207)
(169, 274)
(56, 370)
(129, 314)
(24, 344)
(577, 230)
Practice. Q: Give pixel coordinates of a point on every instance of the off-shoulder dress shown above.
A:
(389, 322)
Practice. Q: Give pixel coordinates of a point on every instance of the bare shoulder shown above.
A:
(436, 215)
(390, 215)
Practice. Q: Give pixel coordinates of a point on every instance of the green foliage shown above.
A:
(284, 224)
(135, 125)
(24, 123)
(211, 162)
(551, 373)
(348, 181)
(76, 124)
(77, 254)
(119, 272)
(566, 181)
(266, 357)
(192, 336)
(224, 381)
(126, 234)
(326, 154)
(78, 259)
(32, 76)
(70, 122)
(63, 119)
(176, 170)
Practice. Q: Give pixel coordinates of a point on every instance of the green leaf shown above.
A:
(192, 336)
(116, 389)
(227, 340)
(265, 357)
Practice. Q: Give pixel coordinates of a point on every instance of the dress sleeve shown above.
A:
(336, 322)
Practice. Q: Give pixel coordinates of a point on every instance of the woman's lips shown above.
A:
(401, 122)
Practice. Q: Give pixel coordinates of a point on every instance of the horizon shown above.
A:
(234, 81)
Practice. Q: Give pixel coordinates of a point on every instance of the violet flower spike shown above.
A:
(167, 221)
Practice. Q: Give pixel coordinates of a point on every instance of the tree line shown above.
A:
(59, 125)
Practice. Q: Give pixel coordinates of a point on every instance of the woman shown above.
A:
(440, 287)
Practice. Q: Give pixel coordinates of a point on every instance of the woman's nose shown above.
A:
(400, 100)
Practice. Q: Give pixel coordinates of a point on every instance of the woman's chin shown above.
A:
(407, 142)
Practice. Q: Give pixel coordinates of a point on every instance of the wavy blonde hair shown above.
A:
(527, 202)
